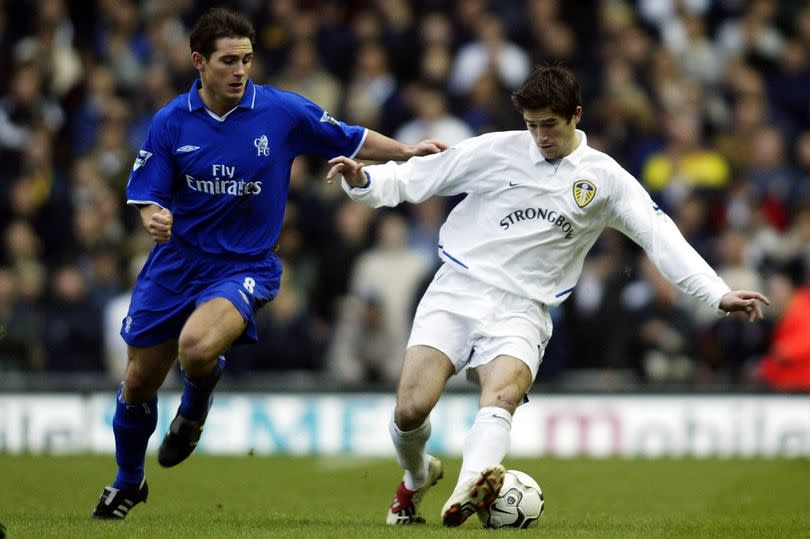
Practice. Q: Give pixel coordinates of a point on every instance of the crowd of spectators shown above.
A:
(704, 101)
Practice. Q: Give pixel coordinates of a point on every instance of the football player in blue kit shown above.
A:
(211, 184)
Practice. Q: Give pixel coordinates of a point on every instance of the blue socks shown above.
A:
(196, 398)
(133, 424)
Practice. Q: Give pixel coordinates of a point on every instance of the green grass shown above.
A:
(346, 498)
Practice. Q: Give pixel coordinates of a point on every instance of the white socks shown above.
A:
(486, 443)
(410, 447)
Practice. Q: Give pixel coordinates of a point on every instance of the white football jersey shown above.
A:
(527, 223)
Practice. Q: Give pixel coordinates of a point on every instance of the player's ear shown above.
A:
(198, 61)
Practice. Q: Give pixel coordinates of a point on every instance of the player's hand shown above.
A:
(428, 147)
(351, 170)
(745, 301)
(159, 224)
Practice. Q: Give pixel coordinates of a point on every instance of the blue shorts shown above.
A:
(174, 281)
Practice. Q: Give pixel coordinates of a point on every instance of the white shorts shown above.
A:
(472, 323)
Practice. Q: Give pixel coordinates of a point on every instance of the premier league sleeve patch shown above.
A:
(584, 191)
(140, 161)
(328, 118)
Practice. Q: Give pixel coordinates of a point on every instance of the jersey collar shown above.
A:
(195, 102)
(574, 157)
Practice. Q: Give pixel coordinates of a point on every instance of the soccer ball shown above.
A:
(518, 505)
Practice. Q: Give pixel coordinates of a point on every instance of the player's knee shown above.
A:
(410, 413)
(139, 386)
(195, 349)
(507, 397)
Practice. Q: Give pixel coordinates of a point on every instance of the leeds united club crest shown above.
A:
(584, 192)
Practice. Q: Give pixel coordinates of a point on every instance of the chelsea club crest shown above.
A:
(584, 191)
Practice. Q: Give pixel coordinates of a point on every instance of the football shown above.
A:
(518, 505)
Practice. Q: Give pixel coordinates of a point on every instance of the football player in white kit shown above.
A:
(537, 200)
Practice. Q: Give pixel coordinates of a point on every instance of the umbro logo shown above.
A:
(187, 148)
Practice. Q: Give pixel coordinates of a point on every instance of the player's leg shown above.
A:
(210, 330)
(424, 375)
(504, 382)
(133, 423)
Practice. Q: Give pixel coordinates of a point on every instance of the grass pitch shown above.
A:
(347, 498)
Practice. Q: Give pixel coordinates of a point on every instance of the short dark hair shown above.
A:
(217, 23)
(551, 86)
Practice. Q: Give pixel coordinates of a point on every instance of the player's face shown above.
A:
(225, 74)
(554, 134)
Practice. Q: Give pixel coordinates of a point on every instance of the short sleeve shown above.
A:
(152, 175)
(318, 132)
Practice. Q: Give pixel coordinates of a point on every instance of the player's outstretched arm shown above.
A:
(744, 300)
(351, 170)
(157, 221)
(378, 147)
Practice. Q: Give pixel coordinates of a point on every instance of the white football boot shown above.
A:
(405, 507)
(472, 496)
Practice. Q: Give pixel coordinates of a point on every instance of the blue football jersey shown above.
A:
(225, 179)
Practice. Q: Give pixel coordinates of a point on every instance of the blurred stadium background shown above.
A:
(704, 101)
